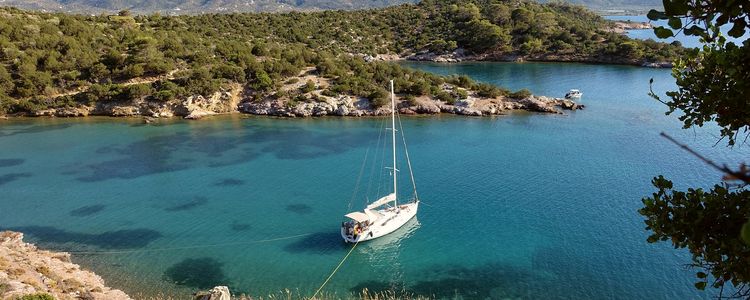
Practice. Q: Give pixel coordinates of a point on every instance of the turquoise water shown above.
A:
(522, 206)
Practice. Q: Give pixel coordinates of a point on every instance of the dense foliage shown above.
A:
(706, 222)
(194, 6)
(199, 6)
(713, 86)
(46, 57)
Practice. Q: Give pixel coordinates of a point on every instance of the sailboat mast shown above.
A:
(393, 135)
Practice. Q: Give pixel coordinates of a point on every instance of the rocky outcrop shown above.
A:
(193, 107)
(24, 269)
(657, 65)
(548, 105)
(457, 55)
(381, 57)
(216, 293)
(311, 104)
(64, 112)
(622, 27)
(352, 106)
(339, 106)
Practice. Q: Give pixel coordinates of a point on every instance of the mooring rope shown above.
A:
(335, 270)
(189, 247)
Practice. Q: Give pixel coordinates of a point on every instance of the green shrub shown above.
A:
(379, 98)
(462, 94)
(329, 93)
(411, 100)
(37, 296)
(520, 94)
(308, 87)
(446, 97)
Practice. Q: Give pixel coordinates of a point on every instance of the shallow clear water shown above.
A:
(525, 205)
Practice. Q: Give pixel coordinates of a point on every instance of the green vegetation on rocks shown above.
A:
(60, 60)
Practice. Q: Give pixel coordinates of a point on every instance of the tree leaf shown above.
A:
(701, 275)
(738, 29)
(745, 232)
(675, 23)
(662, 32)
(656, 15)
(700, 285)
(694, 30)
(675, 8)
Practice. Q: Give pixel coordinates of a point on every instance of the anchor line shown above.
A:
(189, 247)
(335, 270)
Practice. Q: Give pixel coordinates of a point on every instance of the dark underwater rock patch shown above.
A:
(230, 182)
(200, 273)
(299, 208)
(9, 162)
(118, 239)
(196, 202)
(236, 226)
(87, 210)
(7, 178)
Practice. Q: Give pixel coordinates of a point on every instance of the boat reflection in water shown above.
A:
(392, 242)
(383, 255)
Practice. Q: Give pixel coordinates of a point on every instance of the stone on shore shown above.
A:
(539, 104)
(216, 293)
(24, 269)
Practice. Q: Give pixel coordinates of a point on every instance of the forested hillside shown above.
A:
(230, 6)
(604, 5)
(50, 59)
(195, 7)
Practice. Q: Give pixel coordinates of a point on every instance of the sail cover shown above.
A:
(358, 216)
(389, 198)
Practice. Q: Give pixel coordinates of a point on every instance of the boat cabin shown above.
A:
(358, 223)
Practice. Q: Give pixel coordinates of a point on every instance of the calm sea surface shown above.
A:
(521, 206)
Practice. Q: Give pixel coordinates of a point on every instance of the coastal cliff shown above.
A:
(27, 270)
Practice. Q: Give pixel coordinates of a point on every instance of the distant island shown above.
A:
(296, 63)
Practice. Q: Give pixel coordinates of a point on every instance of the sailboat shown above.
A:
(384, 215)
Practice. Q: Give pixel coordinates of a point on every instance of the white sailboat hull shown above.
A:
(389, 220)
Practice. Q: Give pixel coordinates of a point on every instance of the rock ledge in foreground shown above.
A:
(24, 269)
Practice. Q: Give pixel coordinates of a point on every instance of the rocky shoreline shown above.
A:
(314, 103)
(197, 107)
(27, 270)
(460, 56)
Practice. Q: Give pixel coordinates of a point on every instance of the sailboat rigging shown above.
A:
(384, 215)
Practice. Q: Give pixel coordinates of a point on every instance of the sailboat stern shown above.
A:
(357, 228)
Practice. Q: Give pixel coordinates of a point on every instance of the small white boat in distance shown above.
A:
(573, 94)
(384, 215)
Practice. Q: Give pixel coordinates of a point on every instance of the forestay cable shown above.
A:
(408, 161)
